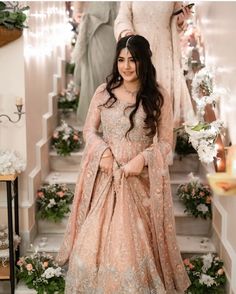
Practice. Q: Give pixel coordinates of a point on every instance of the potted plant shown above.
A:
(12, 18)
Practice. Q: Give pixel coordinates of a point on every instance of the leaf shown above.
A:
(199, 127)
(2, 5)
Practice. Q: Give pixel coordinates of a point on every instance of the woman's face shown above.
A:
(127, 66)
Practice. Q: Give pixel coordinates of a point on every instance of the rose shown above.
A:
(45, 264)
(191, 266)
(75, 137)
(55, 135)
(208, 200)
(220, 271)
(40, 194)
(186, 261)
(60, 194)
(202, 194)
(21, 261)
(29, 267)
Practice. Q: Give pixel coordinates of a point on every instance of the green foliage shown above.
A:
(53, 202)
(183, 146)
(13, 16)
(206, 275)
(40, 272)
(70, 67)
(196, 198)
(65, 139)
(69, 98)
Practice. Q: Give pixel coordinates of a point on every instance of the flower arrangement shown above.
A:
(68, 99)
(11, 162)
(53, 202)
(202, 136)
(183, 147)
(40, 272)
(196, 198)
(206, 274)
(4, 244)
(65, 139)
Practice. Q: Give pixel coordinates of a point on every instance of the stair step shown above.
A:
(21, 288)
(70, 117)
(195, 245)
(65, 163)
(189, 163)
(188, 244)
(185, 224)
(70, 178)
(71, 163)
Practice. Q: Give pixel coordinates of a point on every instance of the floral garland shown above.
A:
(206, 274)
(11, 162)
(196, 198)
(68, 99)
(202, 136)
(40, 272)
(65, 139)
(53, 202)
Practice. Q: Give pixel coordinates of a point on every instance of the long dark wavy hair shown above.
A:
(149, 93)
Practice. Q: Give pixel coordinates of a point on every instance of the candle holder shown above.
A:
(224, 183)
(19, 112)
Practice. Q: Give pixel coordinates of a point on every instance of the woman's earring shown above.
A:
(119, 78)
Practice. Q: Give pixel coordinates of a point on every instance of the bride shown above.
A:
(120, 237)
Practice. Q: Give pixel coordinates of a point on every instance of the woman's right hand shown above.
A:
(106, 162)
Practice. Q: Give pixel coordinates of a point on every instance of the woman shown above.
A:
(121, 233)
(155, 21)
(95, 43)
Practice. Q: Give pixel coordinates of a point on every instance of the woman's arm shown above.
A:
(164, 131)
(123, 25)
(93, 119)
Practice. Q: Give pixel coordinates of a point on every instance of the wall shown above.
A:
(217, 23)
(27, 68)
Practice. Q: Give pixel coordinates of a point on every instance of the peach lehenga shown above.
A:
(120, 236)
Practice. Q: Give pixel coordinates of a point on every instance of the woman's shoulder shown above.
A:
(101, 93)
(101, 88)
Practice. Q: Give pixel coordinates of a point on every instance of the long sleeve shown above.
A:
(93, 119)
(124, 19)
(164, 138)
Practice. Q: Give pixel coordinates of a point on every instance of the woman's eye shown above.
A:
(120, 60)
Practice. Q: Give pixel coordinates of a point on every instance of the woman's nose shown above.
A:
(127, 64)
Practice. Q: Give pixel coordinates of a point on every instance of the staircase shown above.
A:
(193, 234)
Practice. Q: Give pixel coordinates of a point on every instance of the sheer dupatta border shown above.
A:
(82, 198)
(173, 272)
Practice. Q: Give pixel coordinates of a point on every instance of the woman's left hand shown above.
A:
(183, 15)
(134, 167)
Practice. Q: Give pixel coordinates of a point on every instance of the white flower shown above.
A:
(51, 272)
(202, 207)
(65, 137)
(11, 162)
(207, 262)
(52, 202)
(207, 280)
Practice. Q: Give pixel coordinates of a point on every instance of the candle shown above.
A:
(231, 160)
(19, 101)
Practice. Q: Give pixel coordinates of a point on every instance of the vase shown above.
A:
(8, 35)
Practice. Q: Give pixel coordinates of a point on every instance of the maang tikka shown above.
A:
(127, 43)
